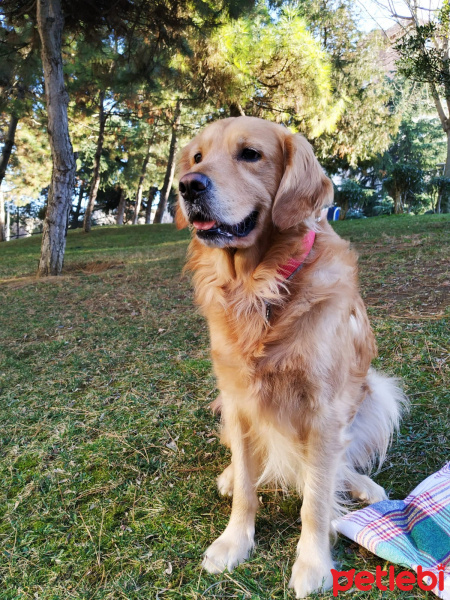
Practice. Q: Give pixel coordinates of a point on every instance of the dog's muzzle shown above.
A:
(196, 189)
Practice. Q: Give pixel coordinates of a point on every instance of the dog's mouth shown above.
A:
(211, 229)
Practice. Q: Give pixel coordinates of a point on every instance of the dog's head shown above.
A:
(239, 173)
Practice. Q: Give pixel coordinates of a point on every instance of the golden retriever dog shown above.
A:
(290, 339)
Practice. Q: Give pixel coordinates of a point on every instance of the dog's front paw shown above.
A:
(308, 577)
(230, 549)
(225, 481)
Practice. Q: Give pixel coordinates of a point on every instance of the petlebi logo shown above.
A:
(405, 580)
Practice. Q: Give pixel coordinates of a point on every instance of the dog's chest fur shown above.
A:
(296, 350)
(277, 375)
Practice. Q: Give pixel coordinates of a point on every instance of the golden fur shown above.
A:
(300, 404)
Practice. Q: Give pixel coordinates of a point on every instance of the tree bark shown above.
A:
(50, 22)
(445, 122)
(2, 218)
(439, 108)
(8, 223)
(17, 222)
(8, 146)
(398, 205)
(148, 211)
(76, 214)
(140, 187)
(345, 208)
(95, 183)
(445, 200)
(170, 171)
(121, 208)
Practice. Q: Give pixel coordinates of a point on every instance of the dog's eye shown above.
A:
(198, 157)
(250, 155)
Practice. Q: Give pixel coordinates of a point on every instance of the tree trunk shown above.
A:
(140, 187)
(76, 214)
(8, 223)
(170, 171)
(445, 200)
(437, 207)
(121, 208)
(8, 146)
(50, 22)
(95, 183)
(2, 218)
(345, 211)
(398, 206)
(148, 211)
(445, 122)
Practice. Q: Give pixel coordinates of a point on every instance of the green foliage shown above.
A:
(423, 57)
(438, 188)
(420, 140)
(368, 117)
(281, 72)
(382, 206)
(404, 184)
(20, 68)
(351, 195)
(423, 51)
(30, 164)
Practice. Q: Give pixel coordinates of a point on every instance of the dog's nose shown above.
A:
(193, 184)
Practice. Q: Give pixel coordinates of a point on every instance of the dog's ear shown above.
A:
(304, 188)
(180, 220)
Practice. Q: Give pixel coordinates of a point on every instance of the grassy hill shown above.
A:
(108, 452)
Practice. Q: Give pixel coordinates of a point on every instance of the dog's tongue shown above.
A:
(204, 225)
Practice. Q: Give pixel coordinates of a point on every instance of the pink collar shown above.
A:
(288, 270)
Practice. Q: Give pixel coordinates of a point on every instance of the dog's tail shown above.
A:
(376, 421)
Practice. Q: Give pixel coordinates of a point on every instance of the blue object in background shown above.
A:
(333, 213)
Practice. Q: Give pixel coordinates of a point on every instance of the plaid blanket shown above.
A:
(410, 532)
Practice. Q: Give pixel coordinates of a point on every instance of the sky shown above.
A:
(373, 16)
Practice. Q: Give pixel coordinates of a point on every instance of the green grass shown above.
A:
(108, 452)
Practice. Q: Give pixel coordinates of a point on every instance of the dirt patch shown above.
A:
(96, 266)
(392, 244)
(87, 268)
(16, 283)
(413, 283)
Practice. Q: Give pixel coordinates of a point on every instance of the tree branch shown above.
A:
(438, 104)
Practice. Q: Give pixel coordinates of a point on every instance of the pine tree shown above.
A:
(170, 170)
(96, 174)
(145, 162)
(50, 23)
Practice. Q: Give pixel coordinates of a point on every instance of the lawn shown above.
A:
(108, 450)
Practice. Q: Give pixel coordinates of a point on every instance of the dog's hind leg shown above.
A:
(236, 542)
(362, 488)
(370, 433)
